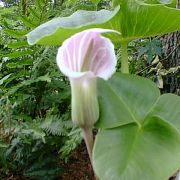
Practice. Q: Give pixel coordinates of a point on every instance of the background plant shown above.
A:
(143, 123)
(34, 96)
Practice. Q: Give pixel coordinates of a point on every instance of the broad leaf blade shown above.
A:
(134, 19)
(149, 147)
(170, 3)
(125, 99)
(139, 20)
(168, 108)
(139, 93)
(132, 153)
(111, 107)
(58, 29)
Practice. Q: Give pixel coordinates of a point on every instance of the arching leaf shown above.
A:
(134, 19)
(132, 153)
(57, 30)
(139, 135)
(129, 98)
(139, 20)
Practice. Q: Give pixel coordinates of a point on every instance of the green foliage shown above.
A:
(7, 14)
(74, 139)
(35, 125)
(144, 91)
(34, 146)
(36, 150)
(34, 98)
(56, 126)
(69, 26)
(142, 134)
(150, 49)
(133, 19)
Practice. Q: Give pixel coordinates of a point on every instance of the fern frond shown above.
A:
(18, 44)
(75, 138)
(46, 169)
(34, 13)
(55, 125)
(27, 22)
(16, 33)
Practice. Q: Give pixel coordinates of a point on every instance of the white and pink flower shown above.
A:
(83, 57)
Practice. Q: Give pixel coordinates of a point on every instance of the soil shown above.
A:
(78, 166)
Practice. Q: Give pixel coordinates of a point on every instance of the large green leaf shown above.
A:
(168, 108)
(129, 98)
(139, 20)
(170, 3)
(140, 131)
(134, 19)
(128, 152)
(111, 102)
(57, 30)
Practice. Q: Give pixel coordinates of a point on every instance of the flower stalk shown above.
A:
(88, 139)
(124, 58)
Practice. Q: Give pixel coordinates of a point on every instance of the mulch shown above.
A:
(78, 166)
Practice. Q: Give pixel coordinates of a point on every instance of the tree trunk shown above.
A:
(171, 49)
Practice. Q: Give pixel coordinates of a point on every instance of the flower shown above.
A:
(83, 57)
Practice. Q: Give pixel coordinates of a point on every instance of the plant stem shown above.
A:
(124, 58)
(88, 138)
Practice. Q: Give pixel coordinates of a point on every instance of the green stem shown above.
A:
(88, 138)
(124, 58)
